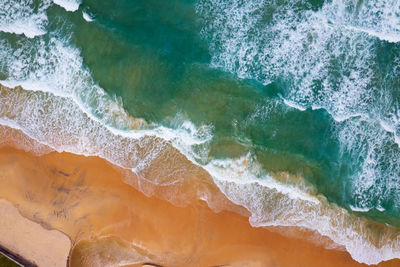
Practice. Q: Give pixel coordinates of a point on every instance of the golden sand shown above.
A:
(111, 223)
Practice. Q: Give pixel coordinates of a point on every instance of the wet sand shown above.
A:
(112, 223)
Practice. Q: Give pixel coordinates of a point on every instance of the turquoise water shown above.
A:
(311, 88)
(152, 55)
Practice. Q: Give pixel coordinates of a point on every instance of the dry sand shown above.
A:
(30, 240)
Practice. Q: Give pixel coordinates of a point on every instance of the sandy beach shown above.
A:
(112, 223)
(30, 240)
(204, 133)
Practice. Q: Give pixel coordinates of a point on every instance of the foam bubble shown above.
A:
(68, 5)
(293, 105)
(87, 17)
(357, 209)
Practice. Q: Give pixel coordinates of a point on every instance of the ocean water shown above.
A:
(293, 106)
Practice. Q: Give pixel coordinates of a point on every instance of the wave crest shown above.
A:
(24, 17)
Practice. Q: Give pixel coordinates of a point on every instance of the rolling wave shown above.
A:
(325, 62)
(68, 5)
(24, 17)
(329, 56)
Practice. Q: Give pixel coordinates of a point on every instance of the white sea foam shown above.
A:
(325, 63)
(322, 54)
(68, 5)
(390, 37)
(11, 136)
(26, 17)
(55, 67)
(62, 125)
(29, 28)
(271, 207)
(87, 17)
(246, 170)
(381, 209)
(326, 56)
(353, 208)
(293, 105)
(53, 71)
(375, 163)
(377, 18)
(29, 17)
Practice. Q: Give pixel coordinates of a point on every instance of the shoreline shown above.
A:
(111, 222)
(174, 177)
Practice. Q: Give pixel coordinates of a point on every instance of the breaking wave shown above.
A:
(328, 56)
(320, 52)
(68, 5)
(24, 17)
